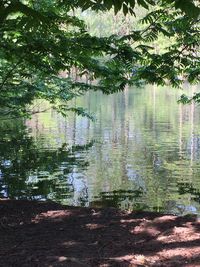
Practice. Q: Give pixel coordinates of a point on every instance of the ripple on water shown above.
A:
(141, 143)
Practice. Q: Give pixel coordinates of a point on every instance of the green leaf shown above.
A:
(143, 3)
(117, 6)
(125, 9)
(188, 7)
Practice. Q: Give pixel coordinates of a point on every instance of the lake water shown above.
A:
(141, 152)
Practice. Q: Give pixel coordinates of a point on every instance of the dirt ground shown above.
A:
(48, 234)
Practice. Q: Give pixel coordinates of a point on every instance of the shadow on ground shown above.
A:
(48, 234)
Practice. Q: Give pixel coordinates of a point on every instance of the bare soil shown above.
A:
(48, 234)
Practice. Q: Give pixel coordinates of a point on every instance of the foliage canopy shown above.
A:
(39, 39)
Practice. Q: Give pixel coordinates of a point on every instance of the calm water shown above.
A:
(142, 152)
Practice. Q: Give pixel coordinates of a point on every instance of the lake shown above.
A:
(141, 152)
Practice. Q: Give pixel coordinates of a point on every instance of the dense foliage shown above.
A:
(40, 39)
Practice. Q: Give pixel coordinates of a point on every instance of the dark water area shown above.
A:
(141, 152)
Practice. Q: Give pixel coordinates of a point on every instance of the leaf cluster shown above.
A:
(40, 39)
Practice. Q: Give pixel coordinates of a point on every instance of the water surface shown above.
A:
(142, 152)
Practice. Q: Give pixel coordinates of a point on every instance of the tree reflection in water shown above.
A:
(140, 143)
(28, 171)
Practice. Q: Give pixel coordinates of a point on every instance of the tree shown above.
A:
(39, 39)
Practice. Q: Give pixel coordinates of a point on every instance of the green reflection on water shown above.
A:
(144, 142)
(32, 172)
